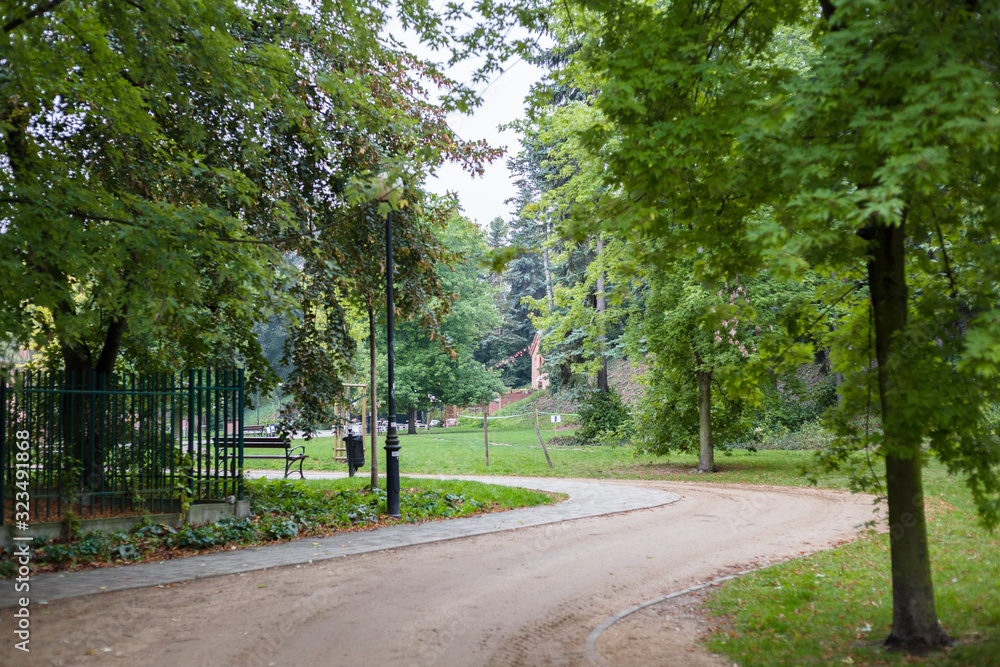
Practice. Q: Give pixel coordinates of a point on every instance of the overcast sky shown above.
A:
(483, 198)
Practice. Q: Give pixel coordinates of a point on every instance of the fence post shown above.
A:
(542, 442)
(54, 436)
(166, 445)
(3, 445)
(190, 420)
(486, 434)
(239, 430)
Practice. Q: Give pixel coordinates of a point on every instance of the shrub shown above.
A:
(604, 418)
(796, 399)
(811, 435)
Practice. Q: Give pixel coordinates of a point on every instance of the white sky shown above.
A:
(483, 198)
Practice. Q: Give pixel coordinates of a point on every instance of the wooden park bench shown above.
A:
(290, 454)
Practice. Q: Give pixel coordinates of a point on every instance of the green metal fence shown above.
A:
(100, 445)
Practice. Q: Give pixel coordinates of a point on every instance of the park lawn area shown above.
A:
(517, 452)
(835, 607)
(461, 452)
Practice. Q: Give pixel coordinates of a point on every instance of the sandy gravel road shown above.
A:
(524, 597)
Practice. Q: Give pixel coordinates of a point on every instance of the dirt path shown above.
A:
(524, 597)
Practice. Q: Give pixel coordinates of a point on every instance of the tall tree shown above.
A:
(497, 348)
(113, 200)
(876, 151)
(173, 173)
(697, 339)
(557, 180)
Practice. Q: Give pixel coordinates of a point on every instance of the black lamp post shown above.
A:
(392, 446)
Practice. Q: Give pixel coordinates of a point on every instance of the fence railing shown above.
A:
(108, 444)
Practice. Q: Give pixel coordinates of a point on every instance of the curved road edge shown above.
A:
(587, 498)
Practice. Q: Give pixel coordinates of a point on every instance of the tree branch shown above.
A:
(37, 11)
(729, 26)
(112, 343)
(828, 9)
(947, 264)
(131, 223)
(822, 315)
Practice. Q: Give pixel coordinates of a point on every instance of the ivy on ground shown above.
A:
(280, 510)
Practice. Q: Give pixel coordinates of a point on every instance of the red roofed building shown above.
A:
(539, 380)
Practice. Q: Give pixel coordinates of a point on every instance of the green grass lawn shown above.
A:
(517, 452)
(836, 607)
(461, 452)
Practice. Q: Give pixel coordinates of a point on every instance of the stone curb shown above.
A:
(586, 499)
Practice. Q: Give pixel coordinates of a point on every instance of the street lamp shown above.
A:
(392, 447)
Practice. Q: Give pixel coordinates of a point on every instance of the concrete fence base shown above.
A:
(198, 513)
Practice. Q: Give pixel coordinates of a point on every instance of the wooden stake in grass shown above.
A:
(542, 442)
(486, 434)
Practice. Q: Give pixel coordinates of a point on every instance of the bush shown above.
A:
(604, 418)
(809, 436)
(668, 415)
(797, 399)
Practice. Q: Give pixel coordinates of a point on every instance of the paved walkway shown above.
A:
(586, 499)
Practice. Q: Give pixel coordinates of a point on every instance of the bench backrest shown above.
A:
(253, 441)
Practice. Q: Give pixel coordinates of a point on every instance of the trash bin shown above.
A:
(355, 445)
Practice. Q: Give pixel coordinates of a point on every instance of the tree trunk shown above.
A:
(914, 619)
(548, 273)
(87, 449)
(602, 305)
(80, 460)
(112, 344)
(411, 420)
(371, 393)
(706, 452)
